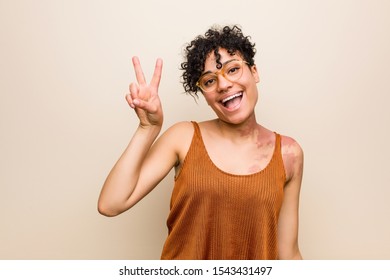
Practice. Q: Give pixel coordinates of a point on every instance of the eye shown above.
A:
(233, 69)
(208, 81)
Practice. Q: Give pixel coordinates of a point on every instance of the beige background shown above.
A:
(65, 67)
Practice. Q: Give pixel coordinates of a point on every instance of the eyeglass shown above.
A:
(231, 70)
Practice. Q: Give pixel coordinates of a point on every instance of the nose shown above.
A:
(223, 83)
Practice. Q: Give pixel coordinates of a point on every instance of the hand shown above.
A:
(143, 98)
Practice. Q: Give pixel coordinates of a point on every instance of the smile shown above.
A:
(232, 101)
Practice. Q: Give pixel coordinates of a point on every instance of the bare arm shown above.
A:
(289, 214)
(143, 164)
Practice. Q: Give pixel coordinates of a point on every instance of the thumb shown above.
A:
(141, 104)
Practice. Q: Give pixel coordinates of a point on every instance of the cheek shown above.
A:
(252, 88)
(207, 100)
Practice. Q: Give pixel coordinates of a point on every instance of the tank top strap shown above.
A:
(278, 147)
(195, 150)
(278, 154)
(278, 143)
(196, 127)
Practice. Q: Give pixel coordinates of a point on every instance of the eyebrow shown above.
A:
(223, 64)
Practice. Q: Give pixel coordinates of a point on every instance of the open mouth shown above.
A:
(232, 101)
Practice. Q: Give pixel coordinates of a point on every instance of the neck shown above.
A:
(247, 130)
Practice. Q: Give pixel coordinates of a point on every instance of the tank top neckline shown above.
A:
(198, 134)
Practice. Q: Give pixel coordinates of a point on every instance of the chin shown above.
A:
(235, 120)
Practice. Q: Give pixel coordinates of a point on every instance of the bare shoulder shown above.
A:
(180, 129)
(292, 154)
(290, 145)
(179, 136)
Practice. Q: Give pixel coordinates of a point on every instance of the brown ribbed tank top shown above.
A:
(217, 215)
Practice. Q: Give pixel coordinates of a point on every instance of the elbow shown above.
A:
(111, 207)
(106, 210)
(290, 255)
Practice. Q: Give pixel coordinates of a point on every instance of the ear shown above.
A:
(255, 73)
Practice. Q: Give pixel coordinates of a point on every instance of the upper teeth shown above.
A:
(231, 97)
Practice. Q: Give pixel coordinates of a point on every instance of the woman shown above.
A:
(237, 184)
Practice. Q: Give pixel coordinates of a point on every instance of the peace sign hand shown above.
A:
(143, 98)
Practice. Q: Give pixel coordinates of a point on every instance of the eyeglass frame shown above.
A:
(219, 72)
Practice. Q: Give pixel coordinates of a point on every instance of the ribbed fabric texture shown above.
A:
(217, 215)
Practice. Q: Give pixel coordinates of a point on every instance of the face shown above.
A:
(233, 100)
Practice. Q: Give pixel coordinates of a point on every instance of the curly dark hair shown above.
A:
(196, 52)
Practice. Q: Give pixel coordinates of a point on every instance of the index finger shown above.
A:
(157, 73)
(139, 74)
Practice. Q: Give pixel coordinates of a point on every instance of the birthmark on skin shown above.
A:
(246, 131)
(264, 143)
(289, 149)
(291, 157)
(254, 169)
(262, 158)
(260, 143)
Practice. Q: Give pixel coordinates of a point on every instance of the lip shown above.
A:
(231, 96)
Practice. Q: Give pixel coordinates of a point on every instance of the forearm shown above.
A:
(122, 179)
